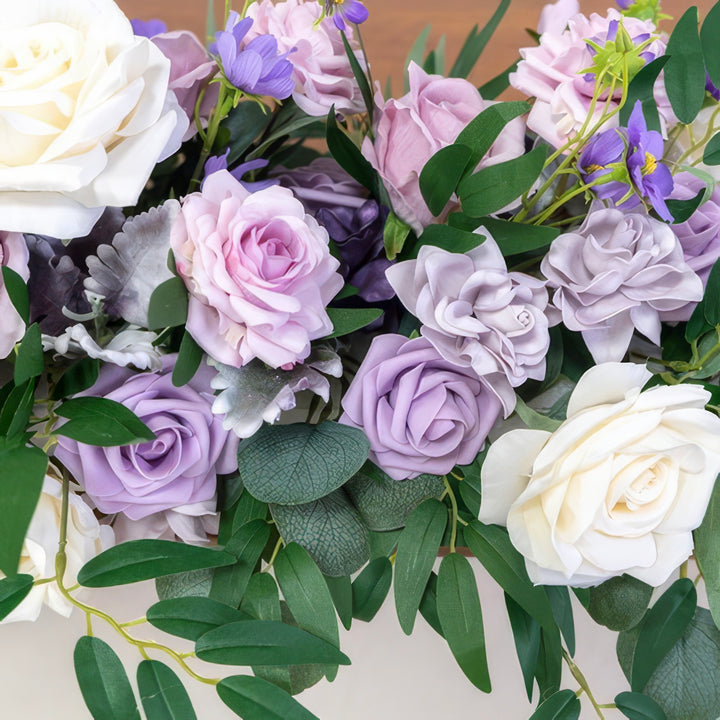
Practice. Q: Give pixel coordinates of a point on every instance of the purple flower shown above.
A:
(625, 4)
(216, 163)
(341, 10)
(148, 28)
(256, 68)
(178, 468)
(711, 87)
(420, 412)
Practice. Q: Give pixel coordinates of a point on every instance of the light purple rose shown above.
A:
(178, 468)
(259, 272)
(421, 413)
(554, 16)
(478, 315)
(411, 129)
(13, 254)
(618, 272)
(322, 73)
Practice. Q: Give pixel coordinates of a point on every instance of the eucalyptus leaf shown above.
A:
(13, 590)
(471, 484)
(707, 552)
(619, 603)
(195, 583)
(563, 705)
(262, 597)
(192, 617)
(162, 694)
(370, 588)
(559, 597)
(253, 698)
(342, 595)
(711, 299)
(526, 633)
(428, 605)
(17, 409)
(383, 544)
(548, 671)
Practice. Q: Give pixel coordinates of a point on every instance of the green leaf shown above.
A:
(707, 552)
(262, 598)
(711, 298)
(248, 508)
(168, 304)
(491, 89)
(18, 293)
(494, 187)
(370, 588)
(458, 606)
(348, 156)
(448, 238)
(428, 605)
(642, 88)
(476, 42)
(101, 422)
(244, 123)
(549, 666)
(162, 694)
(384, 503)
(619, 603)
(29, 362)
(253, 698)
(188, 361)
(563, 705)
(395, 233)
(559, 597)
(441, 174)
(342, 596)
(360, 77)
(418, 547)
(491, 545)
(296, 464)
(638, 707)
(330, 529)
(711, 154)
(264, 642)
(192, 617)
(533, 419)
(685, 69)
(78, 377)
(662, 627)
(138, 560)
(526, 633)
(246, 545)
(683, 210)
(22, 471)
(347, 320)
(416, 54)
(471, 484)
(17, 409)
(514, 238)
(709, 39)
(13, 590)
(383, 544)
(103, 682)
(195, 583)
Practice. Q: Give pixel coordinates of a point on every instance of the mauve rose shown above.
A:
(477, 314)
(411, 129)
(421, 413)
(259, 272)
(615, 274)
(179, 467)
(13, 254)
(554, 16)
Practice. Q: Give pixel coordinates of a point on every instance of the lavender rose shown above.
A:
(617, 273)
(477, 314)
(421, 413)
(259, 272)
(179, 467)
(13, 254)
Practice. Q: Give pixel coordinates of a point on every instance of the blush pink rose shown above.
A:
(14, 254)
(411, 129)
(259, 272)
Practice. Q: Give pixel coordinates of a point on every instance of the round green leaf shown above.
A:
(253, 698)
(619, 603)
(192, 617)
(300, 463)
(162, 694)
(13, 591)
(639, 707)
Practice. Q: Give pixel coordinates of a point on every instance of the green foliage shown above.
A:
(707, 552)
(360, 77)
(370, 588)
(460, 614)
(192, 617)
(17, 291)
(348, 156)
(514, 238)
(330, 529)
(639, 707)
(13, 590)
(685, 69)
(441, 174)
(417, 52)
(470, 486)
(162, 694)
(347, 320)
(448, 238)
(428, 605)
(559, 597)
(188, 361)
(168, 304)
(253, 698)
(300, 463)
(395, 233)
(642, 88)
(243, 125)
(526, 634)
(548, 672)
(103, 682)
(683, 210)
(491, 89)
(78, 377)
(709, 34)
(29, 362)
(17, 409)
(262, 598)
(342, 596)
(619, 603)
(138, 560)
(563, 705)
(195, 583)
(418, 547)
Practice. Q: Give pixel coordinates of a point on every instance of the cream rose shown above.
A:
(617, 488)
(85, 114)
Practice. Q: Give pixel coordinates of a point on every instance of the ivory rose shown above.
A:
(617, 488)
(85, 114)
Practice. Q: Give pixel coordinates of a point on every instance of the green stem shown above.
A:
(275, 552)
(454, 508)
(582, 682)
(222, 108)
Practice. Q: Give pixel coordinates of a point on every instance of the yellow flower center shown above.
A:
(650, 164)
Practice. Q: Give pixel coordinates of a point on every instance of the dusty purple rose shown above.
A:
(179, 467)
(13, 254)
(615, 274)
(477, 314)
(421, 413)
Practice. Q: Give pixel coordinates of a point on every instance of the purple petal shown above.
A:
(356, 13)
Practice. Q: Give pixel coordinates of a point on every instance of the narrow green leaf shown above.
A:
(639, 707)
(711, 299)
(458, 606)
(619, 603)
(168, 304)
(549, 666)
(563, 705)
(395, 233)
(428, 605)
(262, 598)
(253, 698)
(188, 361)
(514, 238)
(491, 89)
(533, 419)
(685, 69)
(18, 292)
(370, 588)
(347, 154)
(360, 77)
(17, 409)
(707, 552)
(663, 626)
(416, 54)
(448, 238)
(476, 42)
(418, 547)
(711, 154)
(642, 88)
(29, 362)
(526, 633)
(709, 35)
(162, 694)
(78, 377)
(471, 484)
(347, 320)
(195, 583)
(22, 471)
(243, 125)
(441, 174)
(138, 560)
(264, 642)
(13, 590)
(103, 682)
(342, 596)
(248, 508)
(559, 597)
(192, 617)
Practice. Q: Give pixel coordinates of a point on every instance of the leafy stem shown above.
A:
(582, 682)
(454, 510)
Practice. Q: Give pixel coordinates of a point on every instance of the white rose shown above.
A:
(617, 488)
(85, 539)
(85, 114)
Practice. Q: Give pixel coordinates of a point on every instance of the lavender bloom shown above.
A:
(256, 68)
(624, 4)
(711, 87)
(216, 163)
(602, 164)
(341, 10)
(148, 28)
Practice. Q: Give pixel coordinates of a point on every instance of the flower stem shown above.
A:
(580, 678)
(454, 520)
(275, 552)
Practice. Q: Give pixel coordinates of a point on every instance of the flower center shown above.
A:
(650, 164)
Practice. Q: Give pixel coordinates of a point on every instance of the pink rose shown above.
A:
(323, 76)
(14, 254)
(259, 272)
(411, 129)
(554, 16)
(191, 70)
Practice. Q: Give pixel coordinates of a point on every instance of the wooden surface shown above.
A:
(394, 24)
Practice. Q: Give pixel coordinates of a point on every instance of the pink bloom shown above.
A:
(411, 129)
(554, 16)
(259, 272)
(14, 254)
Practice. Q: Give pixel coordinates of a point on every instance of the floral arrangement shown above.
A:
(278, 339)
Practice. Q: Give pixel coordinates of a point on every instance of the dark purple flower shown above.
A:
(148, 28)
(255, 68)
(341, 10)
(711, 87)
(219, 162)
(625, 4)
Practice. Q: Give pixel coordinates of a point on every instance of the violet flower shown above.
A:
(255, 68)
(148, 28)
(216, 163)
(341, 10)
